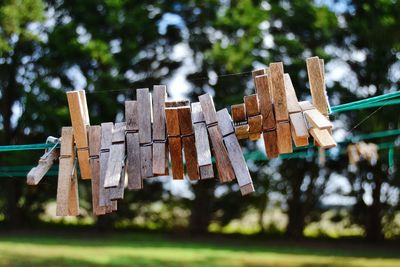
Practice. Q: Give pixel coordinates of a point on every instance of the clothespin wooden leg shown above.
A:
(94, 152)
(174, 142)
(235, 152)
(80, 121)
(135, 180)
(202, 144)
(264, 93)
(117, 156)
(145, 137)
(240, 121)
(224, 164)
(188, 141)
(254, 117)
(280, 107)
(67, 188)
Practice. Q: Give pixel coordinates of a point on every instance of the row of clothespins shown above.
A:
(126, 153)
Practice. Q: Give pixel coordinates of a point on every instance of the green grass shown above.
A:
(130, 249)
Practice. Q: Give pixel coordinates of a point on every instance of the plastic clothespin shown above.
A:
(36, 174)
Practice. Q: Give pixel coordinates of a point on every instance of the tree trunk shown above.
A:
(374, 221)
(201, 210)
(295, 227)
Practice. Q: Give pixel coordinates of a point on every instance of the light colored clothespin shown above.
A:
(80, 121)
(67, 187)
(36, 174)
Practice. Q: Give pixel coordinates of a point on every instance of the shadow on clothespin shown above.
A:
(36, 174)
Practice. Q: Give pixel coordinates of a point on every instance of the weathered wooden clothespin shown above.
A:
(256, 73)
(133, 167)
(115, 174)
(202, 144)
(174, 140)
(117, 156)
(264, 93)
(315, 70)
(240, 121)
(160, 149)
(106, 142)
(67, 187)
(298, 125)
(321, 135)
(235, 152)
(80, 121)
(254, 118)
(280, 108)
(94, 153)
(188, 141)
(224, 165)
(145, 137)
(36, 174)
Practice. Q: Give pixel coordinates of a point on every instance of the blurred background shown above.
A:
(301, 212)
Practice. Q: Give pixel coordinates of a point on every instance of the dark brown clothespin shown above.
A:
(36, 174)
(240, 121)
(174, 140)
(254, 118)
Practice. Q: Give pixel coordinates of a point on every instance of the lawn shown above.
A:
(134, 249)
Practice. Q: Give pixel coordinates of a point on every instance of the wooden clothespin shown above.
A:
(160, 149)
(264, 93)
(224, 165)
(298, 125)
(280, 108)
(94, 153)
(240, 121)
(145, 137)
(321, 135)
(202, 144)
(235, 152)
(67, 187)
(80, 120)
(254, 118)
(188, 141)
(315, 70)
(36, 174)
(174, 140)
(256, 73)
(106, 142)
(133, 167)
(117, 156)
(115, 174)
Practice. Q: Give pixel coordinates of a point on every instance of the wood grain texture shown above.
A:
(118, 192)
(177, 103)
(144, 115)
(254, 74)
(37, 173)
(206, 172)
(106, 141)
(224, 164)
(79, 120)
(185, 120)
(202, 144)
(265, 100)
(146, 164)
(284, 137)
(323, 137)
(271, 144)
(131, 116)
(252, 105)
(172, 119)
(116, 157)
(135, 181)
(94, 152)
(292, 101)
(175, 150)
(65, 172)
(278, 92)
(238, 112)
(160, 158)
(299, 129)
(190, 154)
(242, 131)
(73, 201)
(306, 105)
(208, 108)
(255, 127)
(197, 113)
(317, 85)
(316, 119)
(235, 152)
(159, 96)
